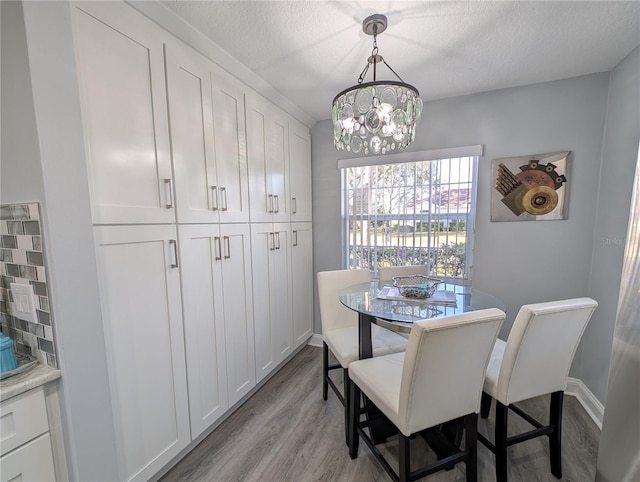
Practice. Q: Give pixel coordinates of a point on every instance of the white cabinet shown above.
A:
(268, 160)
(141, 314)
(120, 66)
(206, 111)
(300, 171)
(25, 443)
(271, 294)
(301, 282)
(215, 264)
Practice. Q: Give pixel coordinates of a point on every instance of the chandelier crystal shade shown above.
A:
(376, 117)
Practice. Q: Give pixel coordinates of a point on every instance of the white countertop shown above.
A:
(36, 376)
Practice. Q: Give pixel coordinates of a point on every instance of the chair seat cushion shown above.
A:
(343, 343)
(380, 379)
(493, 371)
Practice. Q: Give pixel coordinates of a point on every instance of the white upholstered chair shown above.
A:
(438, 379)
(340, 329)
(534, 361)
(385, 274)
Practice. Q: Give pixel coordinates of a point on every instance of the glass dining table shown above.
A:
(398, 313)
(371, 302)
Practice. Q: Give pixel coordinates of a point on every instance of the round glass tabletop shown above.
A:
(450, 299)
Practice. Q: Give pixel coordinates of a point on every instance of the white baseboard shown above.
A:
(589, 402)
(315, 340)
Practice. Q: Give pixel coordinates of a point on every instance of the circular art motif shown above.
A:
(356, 144)
(372, 121)
(375, 144)
(540, 200)
(388, 96)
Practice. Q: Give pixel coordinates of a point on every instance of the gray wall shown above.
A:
(619, 157)
(520, 262)
(43, 160)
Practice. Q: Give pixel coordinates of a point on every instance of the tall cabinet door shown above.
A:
(301, 282)
(230, 146)
(123, 98)
(141, 312)
(268, 160)
(300, 171)
(237, 301)
(192, 141)
(272, 317)
(202, 299)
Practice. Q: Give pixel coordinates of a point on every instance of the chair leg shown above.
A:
(404, 458)
(325, 370)
(501, 442)
(347, 397)
(354, 418)
(471, 444)
(485, 405)
(555, 437)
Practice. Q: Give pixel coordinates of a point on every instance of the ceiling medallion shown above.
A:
(375, 117)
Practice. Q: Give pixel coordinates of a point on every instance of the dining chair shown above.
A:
(534, 361)
(386, 274)
(437, 380)
(340, 330)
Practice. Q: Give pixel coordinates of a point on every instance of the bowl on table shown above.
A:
(417, 286)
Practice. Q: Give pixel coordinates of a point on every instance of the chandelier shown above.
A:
(375, 117)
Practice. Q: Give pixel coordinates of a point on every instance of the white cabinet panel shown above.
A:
(237, 299)
(230, 146)
(301, 282)
(268, 160)
(141, 313)
(121, 77)
(218, 318)
(32, 461)
(23, 418)
(201, 273)
(208, 146)
(300, 171)
(272, 313)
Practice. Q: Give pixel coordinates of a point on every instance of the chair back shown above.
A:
(333, 314)
(540, 348)
(385, 274)
(444, 368)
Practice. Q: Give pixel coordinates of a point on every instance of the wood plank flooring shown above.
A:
(286, 432)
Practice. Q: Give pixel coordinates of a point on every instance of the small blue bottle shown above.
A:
(8, 359)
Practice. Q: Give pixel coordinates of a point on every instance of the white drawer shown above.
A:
(33, 461)
(22, 418)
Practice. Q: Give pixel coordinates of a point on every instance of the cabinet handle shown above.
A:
(172, 242)
(294, 201)
(295, 238)
(214, 198)
(168, 186)
(227, 248)
(217, 248)
(224, 198)
(273, 242)
(277, 204)
(278, 239)
(270, 203)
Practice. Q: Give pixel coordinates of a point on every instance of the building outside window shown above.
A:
(415, 212)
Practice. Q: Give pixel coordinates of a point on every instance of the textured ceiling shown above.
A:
(310, 50)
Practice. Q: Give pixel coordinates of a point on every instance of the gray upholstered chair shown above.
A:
(340, 329)
(534, 361)
(437, 380)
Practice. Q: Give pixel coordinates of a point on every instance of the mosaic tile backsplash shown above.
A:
(22, 261)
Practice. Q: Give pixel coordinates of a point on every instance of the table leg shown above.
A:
(364, 333)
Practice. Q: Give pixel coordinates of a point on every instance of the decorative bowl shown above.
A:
(417, 287)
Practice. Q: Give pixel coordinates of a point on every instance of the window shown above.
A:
(411, 212)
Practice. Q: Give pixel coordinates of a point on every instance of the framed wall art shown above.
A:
(530, 188)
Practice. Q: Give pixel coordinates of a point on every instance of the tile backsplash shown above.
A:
(22, 261)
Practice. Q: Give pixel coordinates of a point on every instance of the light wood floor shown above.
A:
(286, 432)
